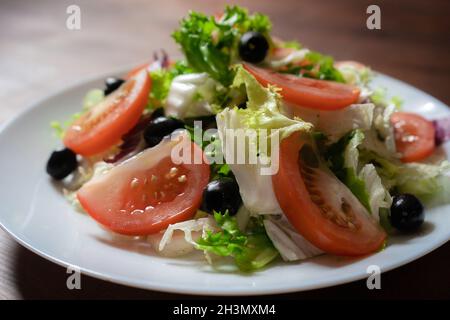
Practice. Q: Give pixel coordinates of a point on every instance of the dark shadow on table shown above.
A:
(427, 278)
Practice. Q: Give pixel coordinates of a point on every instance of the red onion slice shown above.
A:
(442, 130)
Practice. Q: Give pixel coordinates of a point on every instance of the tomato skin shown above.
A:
(150, 66)
(103, 126)
(117, 204)
(414, 136)
(137, 69)
(306, 92)
(305, 216)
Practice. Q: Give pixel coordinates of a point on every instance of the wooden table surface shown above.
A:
(39, 55)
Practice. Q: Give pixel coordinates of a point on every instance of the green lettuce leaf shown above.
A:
(324, 67)
(380, 97)
(210, 44)
(316, 65)
(251, 250)
(343, 157)
(161, 81)
(92, 98)
(429, 182)
(263, 108)
(362, 179)
(290, 44)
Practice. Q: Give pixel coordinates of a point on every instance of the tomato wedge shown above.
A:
(146, 193)
(156, 64)
(101, 127)
(305, 92)
(319, 206)
(137, 69)
(414, 136)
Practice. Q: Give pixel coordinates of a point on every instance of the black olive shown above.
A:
(406, 212)
(242, 105)
(61, 163)
(221, 195)
(160, 127)
(253, 47)
(112, 84)
(159, 112)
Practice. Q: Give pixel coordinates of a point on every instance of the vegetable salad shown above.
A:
(338, 166)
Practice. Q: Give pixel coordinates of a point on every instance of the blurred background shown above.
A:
(39, 55)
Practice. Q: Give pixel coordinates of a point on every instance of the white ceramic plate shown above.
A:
(35, 213)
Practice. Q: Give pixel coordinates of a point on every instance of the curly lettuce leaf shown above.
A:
(251, 250)
(323, 67)
(263, 108)
(210, 43)
(314, 65)
(161, 82)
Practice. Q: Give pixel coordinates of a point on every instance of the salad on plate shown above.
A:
(250, 149)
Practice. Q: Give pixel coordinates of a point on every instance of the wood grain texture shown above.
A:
(38, 56)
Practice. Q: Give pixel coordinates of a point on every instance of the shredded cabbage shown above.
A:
(187, 227)
(335, 124)
(429, 182)
(192, 95)
(289, 243)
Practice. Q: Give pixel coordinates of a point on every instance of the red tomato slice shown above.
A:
(305, 92)
(414, 136)
(101, 127)
(319, 206)
(146, 193)
(150, 66)
(135, 70)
